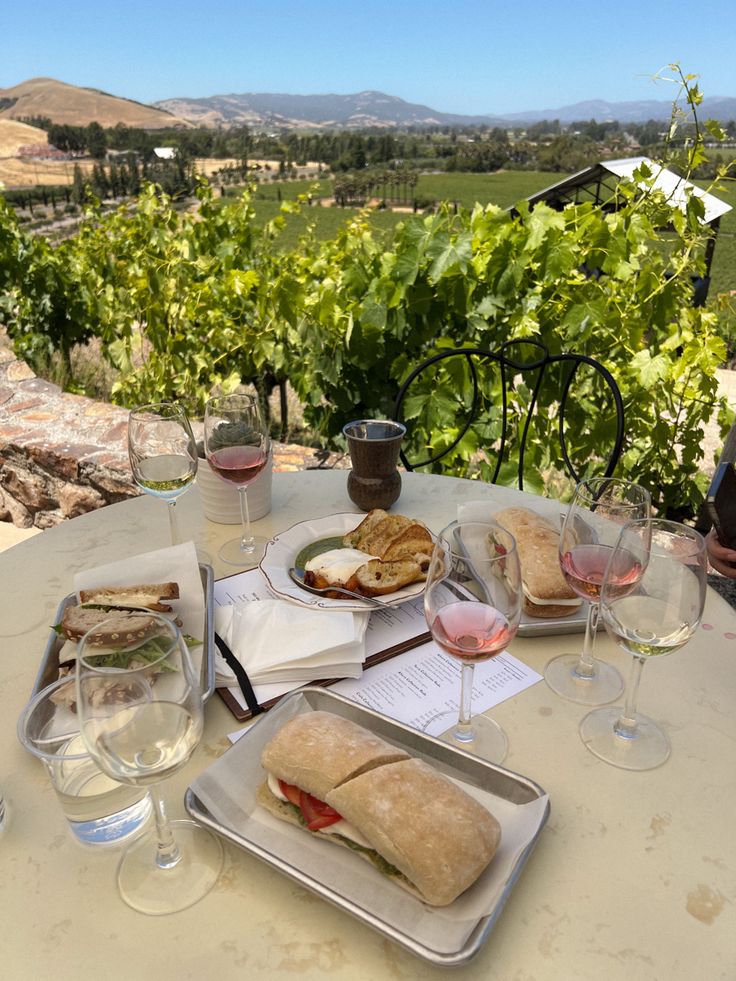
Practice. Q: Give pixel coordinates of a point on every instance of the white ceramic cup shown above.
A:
(220, 498)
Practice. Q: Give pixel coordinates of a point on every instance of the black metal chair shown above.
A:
(497, 398)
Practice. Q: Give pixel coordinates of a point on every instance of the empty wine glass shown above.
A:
(472, 603)
(163, 454)
(237, 444)
(141, 716)
(599, 508)
(657, 616)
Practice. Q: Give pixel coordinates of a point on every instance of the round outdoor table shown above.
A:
(633, 876)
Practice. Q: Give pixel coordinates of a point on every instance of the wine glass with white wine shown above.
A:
(141, 716)
(656, 616)
(163, 454)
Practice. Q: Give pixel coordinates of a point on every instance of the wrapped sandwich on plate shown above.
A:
(546, 593)
(341, 782)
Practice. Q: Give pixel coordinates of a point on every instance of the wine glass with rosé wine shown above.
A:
(600, 507)
(472, 603)
(237, 445)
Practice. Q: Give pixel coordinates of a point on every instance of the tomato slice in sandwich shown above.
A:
(316, 813)
(290, 792)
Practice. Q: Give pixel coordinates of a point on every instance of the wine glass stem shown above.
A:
(167, 850)
(627, 725)
(464, 731)
(173, 524)
(585, 668)
(246, 540)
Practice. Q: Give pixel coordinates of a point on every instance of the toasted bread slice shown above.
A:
(352, 539)
(378, 578)
(150, 595)
(382, 534)
(409, 547)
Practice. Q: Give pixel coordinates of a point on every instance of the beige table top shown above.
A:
(633, 877)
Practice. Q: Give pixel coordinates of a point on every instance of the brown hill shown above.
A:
(74, 106)
(14, 135)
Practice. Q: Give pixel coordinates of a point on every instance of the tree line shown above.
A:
(546, 145)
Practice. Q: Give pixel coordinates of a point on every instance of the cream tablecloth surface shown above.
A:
(633, 878)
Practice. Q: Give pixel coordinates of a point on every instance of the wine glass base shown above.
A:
(150, 889)
(484, 738)
(646, 748)
(603, 686)
(233, 554)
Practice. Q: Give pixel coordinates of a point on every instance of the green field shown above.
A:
(504, 188)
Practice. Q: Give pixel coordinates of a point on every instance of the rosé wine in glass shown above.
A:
(472, 604)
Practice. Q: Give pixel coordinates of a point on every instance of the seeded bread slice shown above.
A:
(121, 627)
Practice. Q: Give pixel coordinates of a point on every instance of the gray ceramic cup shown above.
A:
(374, 445)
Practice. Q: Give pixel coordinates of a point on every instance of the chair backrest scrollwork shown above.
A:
(501, 397)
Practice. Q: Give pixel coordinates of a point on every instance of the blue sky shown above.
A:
(463, 56)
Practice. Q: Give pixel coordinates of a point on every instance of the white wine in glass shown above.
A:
(472, 603)
(141, 716)
(598, 510)
(657, 616)
(163, 454)
(237, 446)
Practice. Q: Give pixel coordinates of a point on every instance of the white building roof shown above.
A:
(674, 187)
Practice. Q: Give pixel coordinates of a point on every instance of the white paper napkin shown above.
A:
(277, 641)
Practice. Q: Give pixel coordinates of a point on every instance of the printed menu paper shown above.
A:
(419, 684)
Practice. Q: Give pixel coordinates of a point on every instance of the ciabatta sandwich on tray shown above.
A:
(546, 594)
(339, 781)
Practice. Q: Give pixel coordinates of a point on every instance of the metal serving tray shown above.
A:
(539, 627)
(223, 798)
(49, 670)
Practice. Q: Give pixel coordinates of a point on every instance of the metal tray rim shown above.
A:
(479, 935)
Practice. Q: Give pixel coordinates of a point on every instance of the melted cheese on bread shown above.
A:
(338, 565)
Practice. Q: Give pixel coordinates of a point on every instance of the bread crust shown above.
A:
(121, 627)
(317, 751)
(538, 543)
(430, 829)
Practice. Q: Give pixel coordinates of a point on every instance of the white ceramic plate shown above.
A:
(281, 553)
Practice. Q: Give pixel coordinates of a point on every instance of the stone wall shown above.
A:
(62, 455)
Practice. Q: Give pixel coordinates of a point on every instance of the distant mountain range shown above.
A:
(73, 105)
(377, 109)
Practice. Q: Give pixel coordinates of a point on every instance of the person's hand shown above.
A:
(721, 558)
